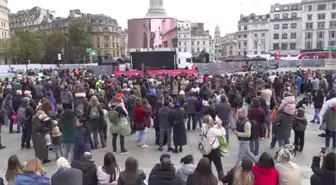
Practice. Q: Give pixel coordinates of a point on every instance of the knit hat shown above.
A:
(246, 165)
(301, 112)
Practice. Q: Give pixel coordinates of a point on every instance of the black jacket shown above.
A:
(318, 101)
(89, 170)
(163, 176)
(321, 176)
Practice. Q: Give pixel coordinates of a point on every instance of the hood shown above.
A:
(290, 99)
(65, 174)
(267, 171)
(30, 178)
(166, 176)
(84, 166)
(300, 118)
(187, 169)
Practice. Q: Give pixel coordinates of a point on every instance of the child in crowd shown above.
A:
(299, 127)
(47, 127)
(56, 139)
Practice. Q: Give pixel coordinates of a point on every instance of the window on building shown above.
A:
(245, 27)
(320, 25)
(319, 44)
(320, 34)
(333, 15)
(185, 43)
(284, 46)
(293, 35)
(239, 28)
(192, 50)
(276, 16)
(276, 46)
(294, 7)
(331, 43)
(284, 26)
(293, 25)
(294, 15)
(180, 50)
(292, 45)
(284, 36)
(308, 45)
(277, 9)
(203, 42)
(333, 6)
(309, 25)
(198, 50)
(255, 44)
(239, 45)
(262, 34)
(310, 8)
(185, 49)
(276, 36)
(332, 34)
(321, 16)
(276, 26)
(321, 7)
(245, 43)
(308, 35)
(285, 16)
(245, 36)
(192, 43)
(107, 45)
(332, 25)
(286, 8)
(255, 35)
(198, 43)
(309, 17)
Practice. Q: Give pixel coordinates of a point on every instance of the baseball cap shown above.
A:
(164, 156)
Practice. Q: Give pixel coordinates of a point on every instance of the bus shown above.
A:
(317, 55)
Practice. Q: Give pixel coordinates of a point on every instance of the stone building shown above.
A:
(4, 28)
(104, 30)
(228, 45)
(124, 42)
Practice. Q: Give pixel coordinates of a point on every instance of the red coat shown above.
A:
(139, 115)
(265, 176)
(258, 115)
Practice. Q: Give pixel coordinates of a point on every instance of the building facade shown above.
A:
(4, 28)
(124, 42)
(253, 34)
(318, 24)
(193, 38)
(285, 28)
(228, 45)
(104, 30)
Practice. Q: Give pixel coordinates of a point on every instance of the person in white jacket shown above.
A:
(213, 130)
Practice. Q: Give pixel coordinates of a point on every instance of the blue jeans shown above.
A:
(68, 150)
(283, 142)
(142, 137)
(317, 114)
(330, 135)
(227, 129)
(58, 151)
(254, 146)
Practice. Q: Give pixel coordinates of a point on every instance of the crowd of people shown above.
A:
(71, 114)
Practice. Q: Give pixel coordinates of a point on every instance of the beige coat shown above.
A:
(289, 173)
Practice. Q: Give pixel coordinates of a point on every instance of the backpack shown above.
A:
(94, 113)
(21, 114)
(203, 144)
(79, 110)
(237, 99)
(113, 116)
(109, 93)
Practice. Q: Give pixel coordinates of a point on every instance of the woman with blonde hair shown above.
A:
(32, 173)
(95, 117)
(240, 175)
(65, 175)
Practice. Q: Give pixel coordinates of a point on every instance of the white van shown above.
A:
(184, 60)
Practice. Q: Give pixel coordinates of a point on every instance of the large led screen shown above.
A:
(152, 33)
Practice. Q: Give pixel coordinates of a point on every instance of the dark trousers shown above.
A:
(114, 142)
(299, 139)
(330, 135)
(193, 118)
(67, 106)
(10, 123)
(215, 157)
(26, 134)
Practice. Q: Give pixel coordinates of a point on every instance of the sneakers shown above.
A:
(312, 121)
(124, 151)
(2, 147)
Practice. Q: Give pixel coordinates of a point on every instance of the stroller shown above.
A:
(307, 99)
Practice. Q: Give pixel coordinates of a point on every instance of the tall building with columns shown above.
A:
(4, 28)
(156, 9)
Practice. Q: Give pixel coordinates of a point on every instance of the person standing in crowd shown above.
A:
(318, 99)
(289, 172)
(316, 84)
(7, 108)
(256, 115)
(329, 120)
(66, 97)
(264, 171)
(32, 173)
(191, 110)
(29, 113)
(82, 142)
(203, 174)
(187, 168)
(88, 168)
(67, 125)
(243, 132)
(14, 168)
(213, 131)
(299, 127)
(17, 102)
(140, 123)
(132, 175)
(65, 175)
(95, 117)
(224, 113)
(165, 123)
(109, 172)
(38, 138)
(179, 130)
(325, 175)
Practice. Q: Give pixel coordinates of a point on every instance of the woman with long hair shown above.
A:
(141, 121)
(67, 125)
(264, 171)
(95, 117)
(108, 174)
(32, 173)
(243, 174)
(14, 168)
(203, 174)
(132, 175)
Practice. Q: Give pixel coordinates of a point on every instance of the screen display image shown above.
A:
(152, 33)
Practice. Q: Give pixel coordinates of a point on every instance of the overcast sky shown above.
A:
(224, 13)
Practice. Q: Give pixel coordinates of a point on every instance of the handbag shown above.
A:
(203, 145)
(140, 126)
(273, 115)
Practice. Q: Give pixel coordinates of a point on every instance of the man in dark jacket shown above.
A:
(164, 174)
(27, 125)
(191, 110)
(224, 111)
(88, 168)
(325, 175)
(17, 101)
(165, 124)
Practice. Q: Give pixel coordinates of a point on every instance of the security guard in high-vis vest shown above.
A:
(100, 85)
